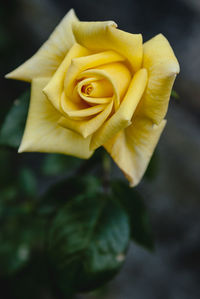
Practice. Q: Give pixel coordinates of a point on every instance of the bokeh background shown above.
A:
(173, 194)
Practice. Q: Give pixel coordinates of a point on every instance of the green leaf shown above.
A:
(22, 232)
(31, 282)
(63, 191)
(175, 95)
(27, 182)
(9, 193)
(6, 169)
(14, 242)
(13, 127)
(88, 242)
(55, 164)
(132, 202)
(13, 257)
(58, 164)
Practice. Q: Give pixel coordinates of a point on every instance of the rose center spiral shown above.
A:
(86, 89)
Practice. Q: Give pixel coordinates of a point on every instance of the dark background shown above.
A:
(173, 196)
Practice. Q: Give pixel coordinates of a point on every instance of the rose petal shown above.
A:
(54, 88)
(81, 64)
(122, 117)
(117, 74)
(162, 66)
(132, 148)
(43, 134)
(47, 59)
(87, 112)
(99, 88)
(95, 88)
(104, 35)
(87, 127)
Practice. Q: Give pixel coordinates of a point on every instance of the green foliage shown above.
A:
(5, 168)
(175, 95)
(55, 164)
(13, 127)
(4, 39)
(133, 203)
(21, 233)
(27, 182)
(65, 190)
(74, 237)
(12, 256)
(88, 242)
(32, 281)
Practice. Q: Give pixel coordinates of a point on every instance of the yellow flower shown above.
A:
(94, 85)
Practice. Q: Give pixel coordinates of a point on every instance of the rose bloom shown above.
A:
(94, 85)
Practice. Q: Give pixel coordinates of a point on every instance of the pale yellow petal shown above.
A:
(87, 112)
(117, 74)
(42, 132)
(87, 127)
(162, 67)
(100, 36)
(81, 64)
(132, 148)
(93, 101)
(94, 90)
(122, 117)
(47, 59)
(55, 87)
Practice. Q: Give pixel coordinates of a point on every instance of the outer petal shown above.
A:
(47, 59)
(122, 117)
(104, 35)
(162, 66)
(132, 148)
(54, 88)
(43, 134)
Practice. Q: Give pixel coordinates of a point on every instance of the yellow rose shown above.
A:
(94, 85)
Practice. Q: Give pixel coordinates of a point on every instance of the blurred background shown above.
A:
(172, 195)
